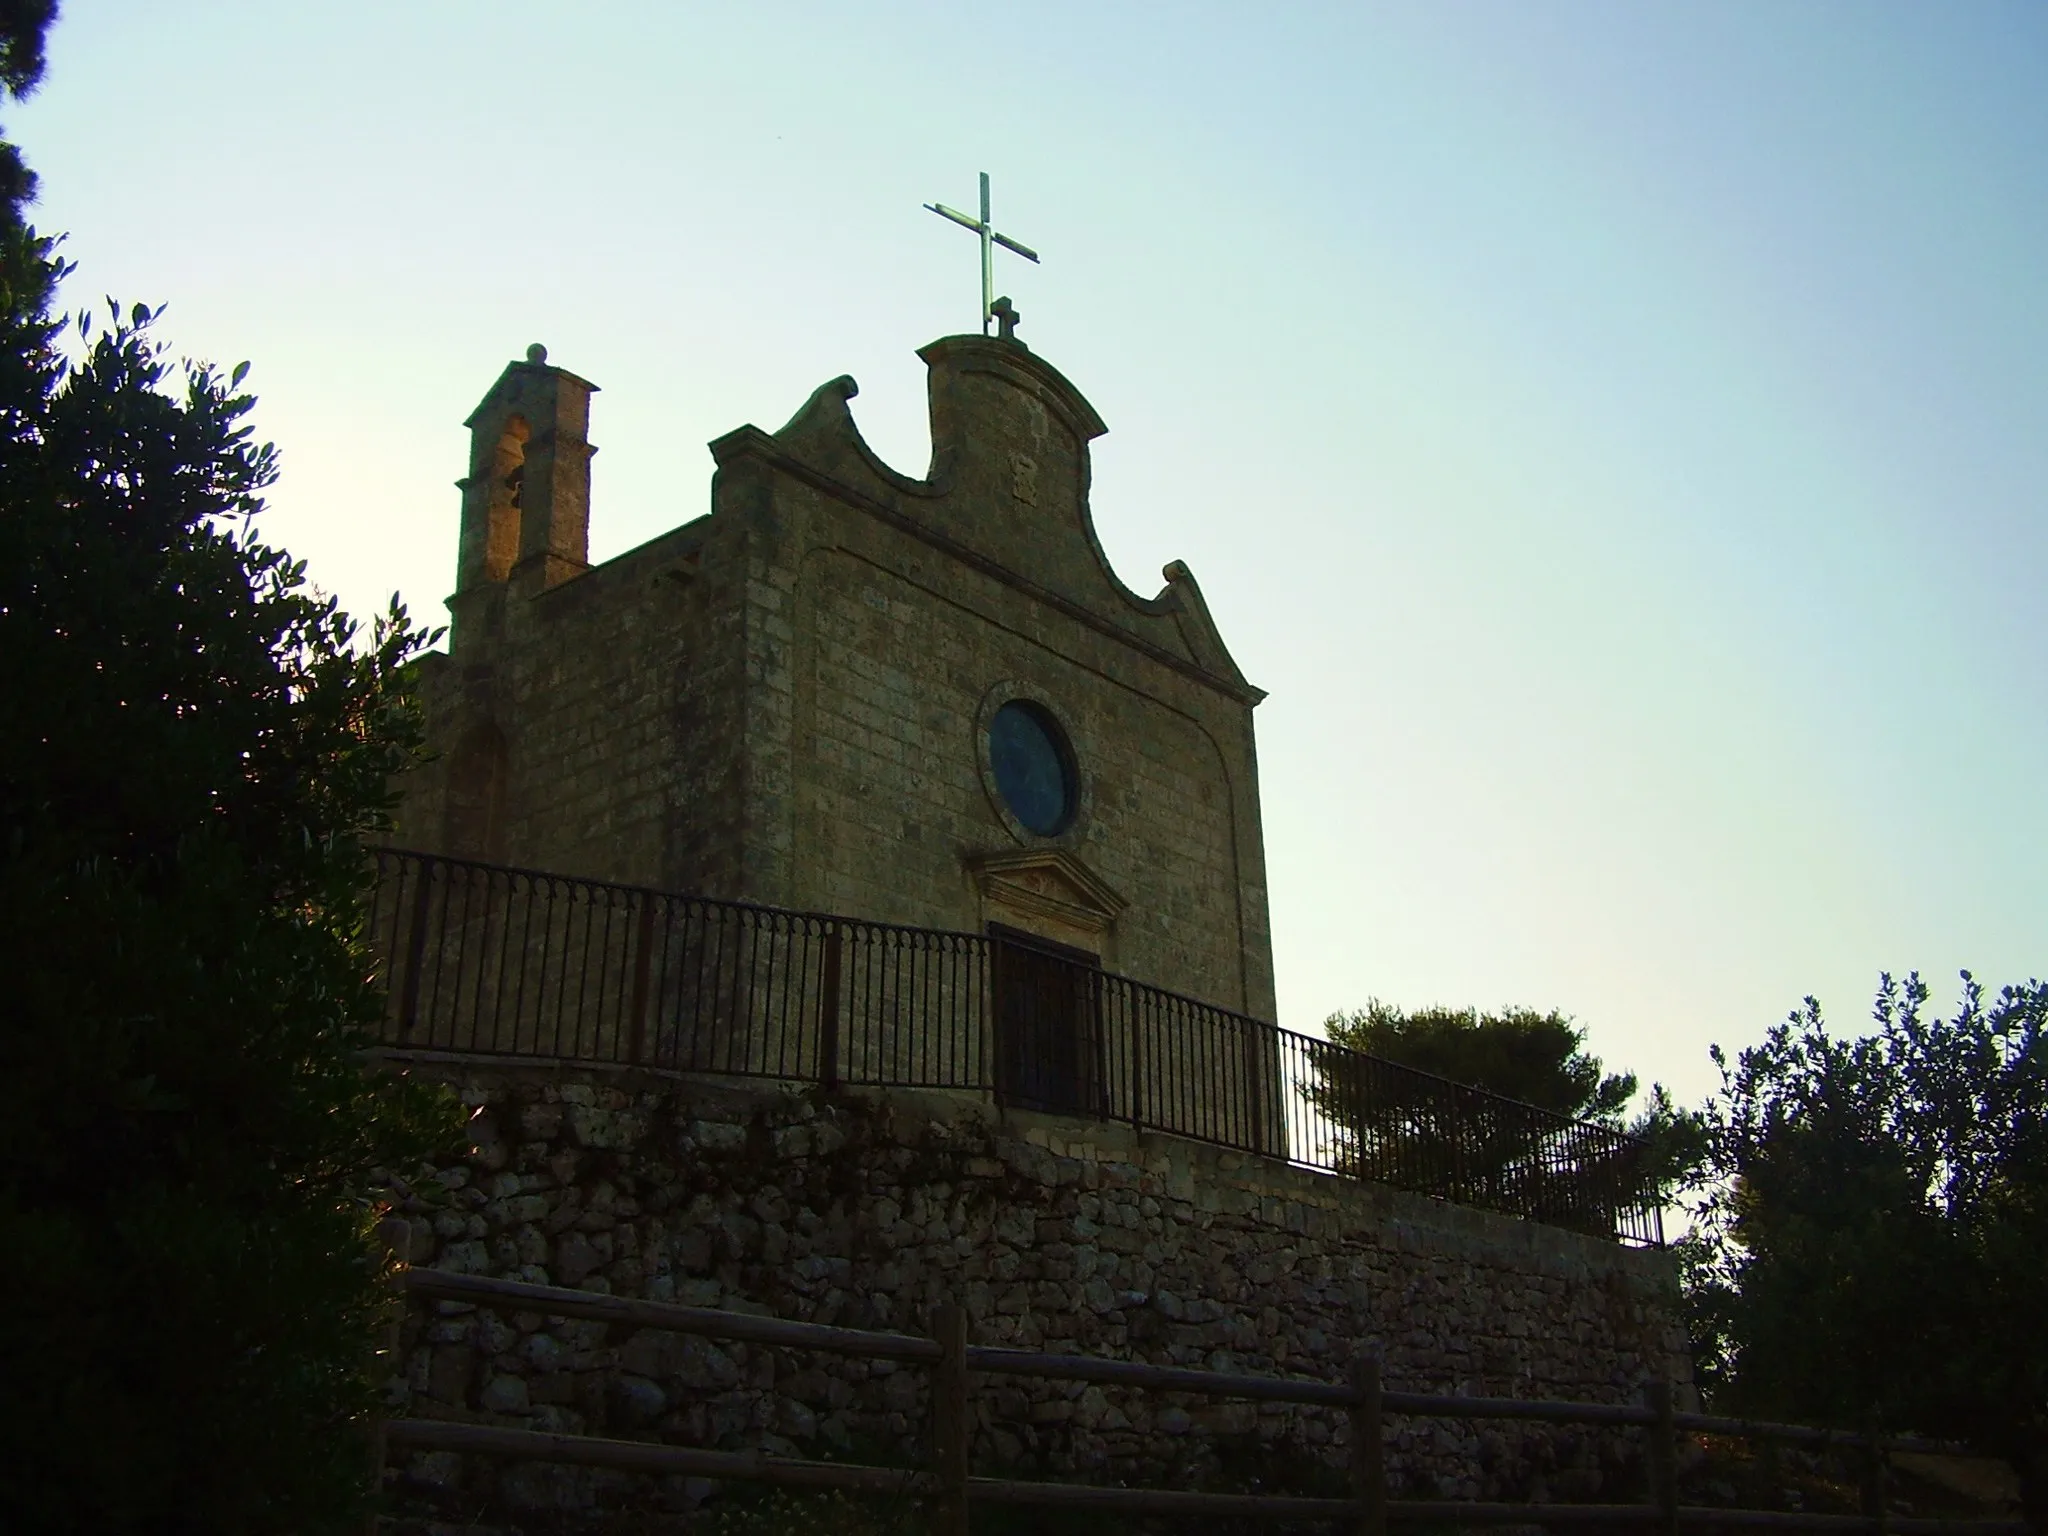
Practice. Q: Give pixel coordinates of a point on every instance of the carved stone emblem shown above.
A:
(1024, 478)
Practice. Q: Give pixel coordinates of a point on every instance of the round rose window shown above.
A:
(1034, 767)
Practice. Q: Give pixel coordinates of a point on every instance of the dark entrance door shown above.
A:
(1048, 1016)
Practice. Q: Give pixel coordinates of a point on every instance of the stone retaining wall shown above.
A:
(866, 1211)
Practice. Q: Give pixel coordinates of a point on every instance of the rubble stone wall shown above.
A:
(867, 1211)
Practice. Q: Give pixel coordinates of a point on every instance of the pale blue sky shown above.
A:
(1616, 435)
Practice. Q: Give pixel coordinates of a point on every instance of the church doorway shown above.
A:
(1048, 1024)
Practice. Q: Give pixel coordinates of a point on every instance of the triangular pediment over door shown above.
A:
(1049, 892)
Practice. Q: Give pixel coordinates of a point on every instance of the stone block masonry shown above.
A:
(868, 1210)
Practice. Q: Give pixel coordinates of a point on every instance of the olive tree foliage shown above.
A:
(193, 743)
(1872, 1219)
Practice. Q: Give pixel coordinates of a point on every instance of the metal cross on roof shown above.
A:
(989, 239)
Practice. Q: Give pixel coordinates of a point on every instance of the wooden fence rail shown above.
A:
(952, 1490)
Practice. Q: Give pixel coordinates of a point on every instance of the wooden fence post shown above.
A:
(1368, 1447)
(380, 1449)
(1876, 1492)
(373, 1519)
(951, 1432)
(1661, 1455)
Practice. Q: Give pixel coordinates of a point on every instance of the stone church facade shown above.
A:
(919, 701)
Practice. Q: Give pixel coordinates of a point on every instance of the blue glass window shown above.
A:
(1033, 767)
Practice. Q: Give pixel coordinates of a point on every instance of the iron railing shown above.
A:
(487, 960)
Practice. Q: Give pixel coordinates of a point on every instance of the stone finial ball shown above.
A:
(536, 354)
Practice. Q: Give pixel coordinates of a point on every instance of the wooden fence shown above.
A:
(951, 1489)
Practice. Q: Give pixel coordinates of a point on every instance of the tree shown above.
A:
(1872, 1219)
(1507, 1109)
(1518, 1053)
(23, 24)
(192, 745)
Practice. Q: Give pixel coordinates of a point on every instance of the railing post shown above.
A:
(1461, 1120)
(1254, 1084)
(1661, 1454)
(828, 1010)
(1877, 1502)
(1136, 1011)
(951, 1433)
(643, 957)
(415, 948)
(1368, 1448)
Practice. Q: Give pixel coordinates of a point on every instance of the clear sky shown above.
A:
(1616, 435)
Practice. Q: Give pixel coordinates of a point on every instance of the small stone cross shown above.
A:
(1006, 318)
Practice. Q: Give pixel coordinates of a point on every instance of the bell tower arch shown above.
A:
(526, 498)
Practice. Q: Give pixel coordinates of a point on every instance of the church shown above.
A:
(851, 903)
(867, 780)
(924, 701)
